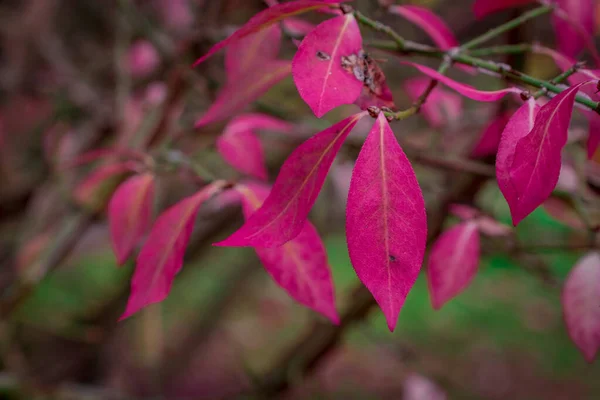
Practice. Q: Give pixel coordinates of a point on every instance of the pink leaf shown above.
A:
(282, 216)
(386, 224)
(268, 17)
(87, 191)
(243, 151)
(453, 262)
(490, 137)
(129, 214)
(256, 121)
(581, 300)
(433, 25)
(244, 90)
(481, 8)
(161, 256)
(464, 212)
(317, 67)
(298, 27)
(518, 126)
(300, 266)
(142, 59)
(442, 106)
(252, 51)
(97, 154)
(594, 132)
(574, 25)
(490, 227)
(465, 90)
(537, 158)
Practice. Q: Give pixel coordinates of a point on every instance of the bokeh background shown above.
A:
(81, 74)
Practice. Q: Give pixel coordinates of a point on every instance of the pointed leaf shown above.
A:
(442, 106)
(517, 127)
(268, 17)
(481, 8)
(282, 216)
(465, 90)
(317, 67)
(453, 262)
(129, 214)
(386, 224)
(490, 137)
(161, 256)
(432, 24)
(300, 266)
(593, 141)
(243, 151)
(94, 189)
(252, 51)
(580, 300)
(537, 158)
(573, 23)
(237, 94)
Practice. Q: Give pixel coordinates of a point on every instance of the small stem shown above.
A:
(379, 27)
(558, 79)
(499, 30)
(502, 50)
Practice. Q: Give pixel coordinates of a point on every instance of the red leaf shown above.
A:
(317, 67)
(573, 23)
(518, 126)
(129, 214)
(581, 300)
(243, 150)
(490, 137)
(594, 133)
(300, 266)
(432, 24)
(268, 17)
(537, 158)
(282, 216)
(89, 191)
(244, 90)
(386, 224)
(252, 51)
(465, 90)
(442, 106)
(453, 262)
(298, 27)
(161, 256)
(481, 8)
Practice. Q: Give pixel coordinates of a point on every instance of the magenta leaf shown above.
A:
(129, 214)
(252, 51)
(432, 24)
(244, 90)
(243, 151)
(490, 137)
(300, 266)
(90, 190)
(518, 126)
(594, 133)
(161, 256)
(485, 224)
(386, 224)
(453, 262)
(580, 300)
(442, 106)
(326, 67)
(282, 216)
(465, 90)
(268, 17)
(537, 158)
(574, 25)
(481, 8)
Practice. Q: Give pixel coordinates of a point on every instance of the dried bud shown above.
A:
(373, 111)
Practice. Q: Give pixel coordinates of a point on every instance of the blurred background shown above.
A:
(77, 75)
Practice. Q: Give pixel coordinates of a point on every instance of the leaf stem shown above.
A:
(499, 30)
(558, 79)
(502, 50)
